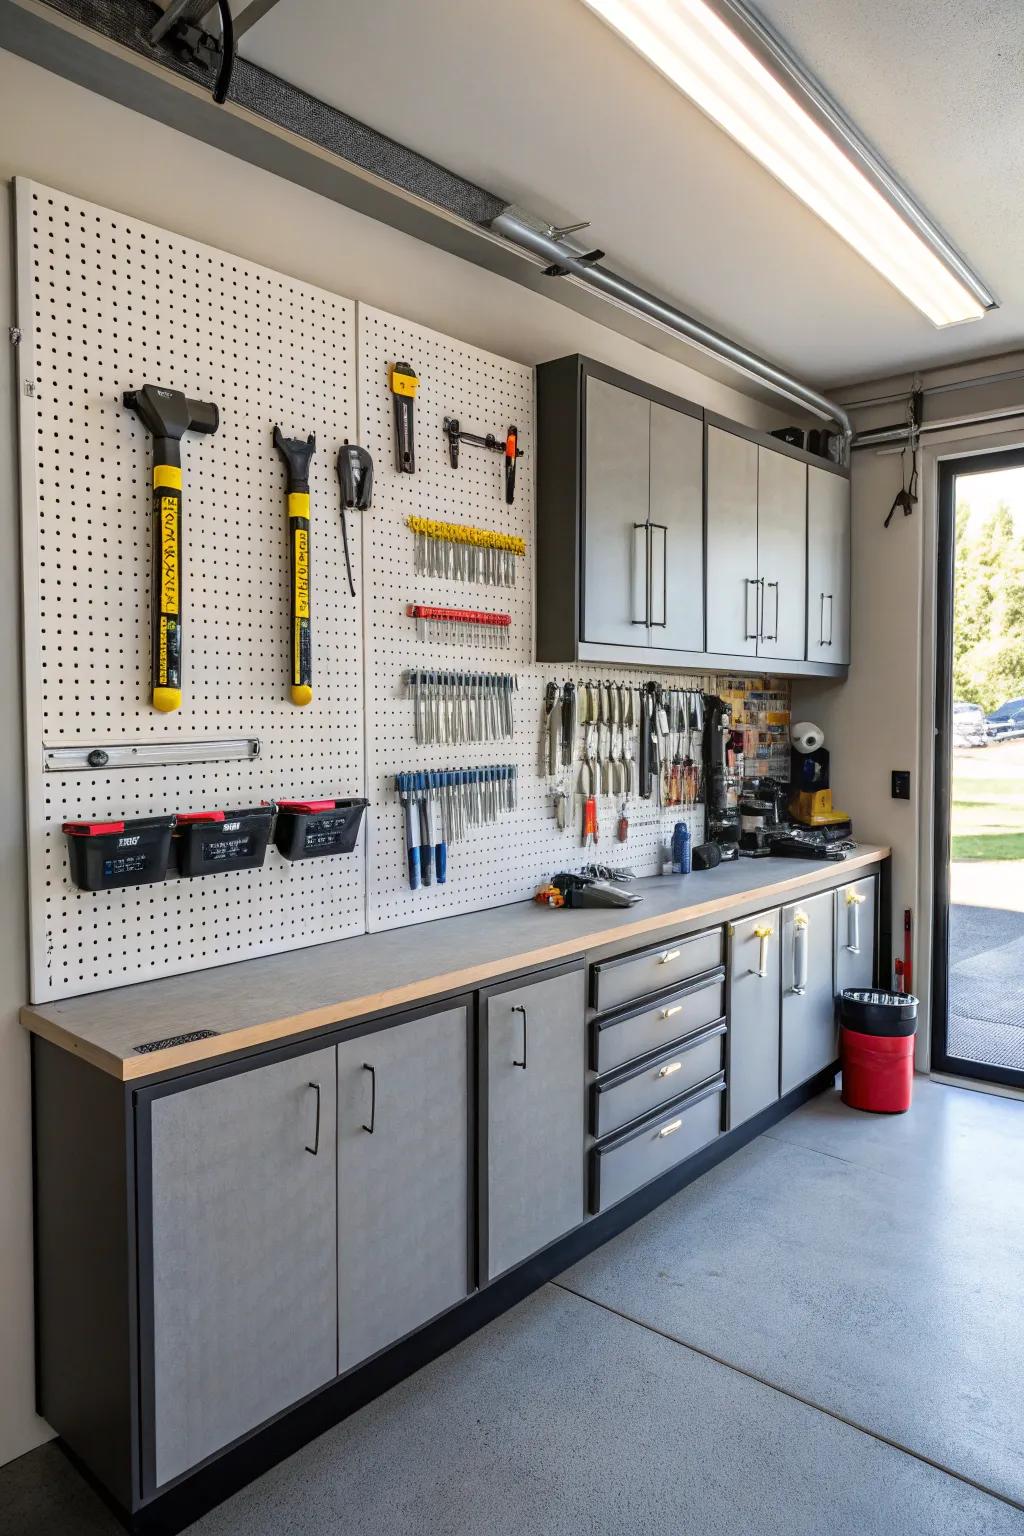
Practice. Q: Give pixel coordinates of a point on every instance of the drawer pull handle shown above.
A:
(853, 906)
(762, 933)
(373, 1098)
(669, 1068)
(667, 1013)
(801, 924)
(670, 954)
(315, 1148)
(671, 1128)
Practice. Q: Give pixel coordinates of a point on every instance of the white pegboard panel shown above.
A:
(503, 862)
(107, 303)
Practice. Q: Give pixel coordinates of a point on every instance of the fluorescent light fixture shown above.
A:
(706, 59)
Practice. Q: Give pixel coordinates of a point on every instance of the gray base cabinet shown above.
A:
(532, 1117)
(855, 922)
(403, 1179)
(808, 1006)
(753, 1015)
(242, 1255)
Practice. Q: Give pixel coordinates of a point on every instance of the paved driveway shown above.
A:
(986, 984)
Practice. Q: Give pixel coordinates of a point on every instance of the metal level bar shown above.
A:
(530, 235)
(102, 756)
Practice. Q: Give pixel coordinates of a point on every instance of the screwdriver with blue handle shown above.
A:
(426, 839)
(404, 786)
(436, 830)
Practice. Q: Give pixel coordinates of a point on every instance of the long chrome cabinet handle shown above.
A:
(518, 1008)
(748, 582)
(763, 934)
(315, 1148)
(643, 528)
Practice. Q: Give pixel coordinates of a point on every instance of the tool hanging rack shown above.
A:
(508, 445)
(461, 626)
(462, 706)
(458, 552)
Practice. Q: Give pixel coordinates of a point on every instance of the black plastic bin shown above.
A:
(212, 842)
(309, 829)
(106, 855)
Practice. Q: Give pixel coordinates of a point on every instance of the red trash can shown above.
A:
(876, 1047)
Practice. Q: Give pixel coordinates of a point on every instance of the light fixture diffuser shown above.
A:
(706, 59)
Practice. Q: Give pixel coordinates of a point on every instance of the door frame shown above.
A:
(949, 469)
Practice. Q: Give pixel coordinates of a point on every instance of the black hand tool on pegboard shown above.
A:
(508, 445)
(404, 383)
(296, 453)
(355, 476)
(167, 415)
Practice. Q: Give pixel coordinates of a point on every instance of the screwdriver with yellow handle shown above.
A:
(168, 415)
(296, 455)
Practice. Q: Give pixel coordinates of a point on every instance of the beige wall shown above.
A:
(61, 135)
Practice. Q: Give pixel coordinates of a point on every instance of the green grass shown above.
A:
(988, 816)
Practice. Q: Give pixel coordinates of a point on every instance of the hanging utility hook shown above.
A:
(906, 496)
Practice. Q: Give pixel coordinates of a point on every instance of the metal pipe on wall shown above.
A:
(512, 224)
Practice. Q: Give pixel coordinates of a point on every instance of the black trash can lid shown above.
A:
(874, 1012)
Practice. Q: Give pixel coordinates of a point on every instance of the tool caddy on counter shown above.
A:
(308, 829)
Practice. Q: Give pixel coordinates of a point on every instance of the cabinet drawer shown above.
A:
(641, 1152)
(628, 977)
(635, 1090)
(615, 1041)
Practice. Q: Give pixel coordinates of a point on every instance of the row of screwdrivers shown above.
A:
(441, 805)
(462, 706)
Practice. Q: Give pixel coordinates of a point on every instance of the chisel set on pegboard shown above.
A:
(453, 707)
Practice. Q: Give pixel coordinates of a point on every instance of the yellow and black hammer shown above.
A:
(296, 455)
(168, 415)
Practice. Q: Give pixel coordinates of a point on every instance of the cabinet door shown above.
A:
(403, 1180)
(753, 1015)
(808, 998)
(243, 1262)
(781, 555)
(616, 496)
(677, 530)
(828, 566)
(532, 1069)
(732, 587)
(855, 934)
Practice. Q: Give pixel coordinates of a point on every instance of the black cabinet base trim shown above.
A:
(171, 1512)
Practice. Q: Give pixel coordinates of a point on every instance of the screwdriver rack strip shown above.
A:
(459, 552)
(465, 797)
(456, 707)
(456, 626)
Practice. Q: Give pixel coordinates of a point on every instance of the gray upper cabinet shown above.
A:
(532, 1117)
(676, 530)
(403, 1179)
(808, 1000)
(733, 607)
(781, 555)
(242, 1254)
(753, 1073)
(617, 497)
(828, 566)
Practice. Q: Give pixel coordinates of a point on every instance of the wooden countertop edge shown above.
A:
(152, 1063)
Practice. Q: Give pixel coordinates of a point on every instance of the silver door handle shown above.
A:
(801, 922)
(853, 906)
(518, 1008)
(831, 618)
(646, 557)
(775, 627)
(315, 1148)
(670, 1067)
(763, 934)
(748, 582)
(668, 1013)
(661, 528)
(821, 621)
(671, 1128)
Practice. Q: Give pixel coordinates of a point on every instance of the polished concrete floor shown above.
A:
(822, 1337)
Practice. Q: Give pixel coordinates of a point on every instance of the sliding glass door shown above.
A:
(978, 982)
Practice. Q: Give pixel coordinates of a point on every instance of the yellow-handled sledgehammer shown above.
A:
(168, 415)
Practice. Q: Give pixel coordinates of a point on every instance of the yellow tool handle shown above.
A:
(302, 639)
(167, 596)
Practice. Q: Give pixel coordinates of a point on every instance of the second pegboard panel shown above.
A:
(106, 304)
(504, 861)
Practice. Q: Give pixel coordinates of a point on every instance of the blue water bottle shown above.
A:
(681, 857)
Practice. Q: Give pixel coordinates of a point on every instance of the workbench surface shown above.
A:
(279, 997)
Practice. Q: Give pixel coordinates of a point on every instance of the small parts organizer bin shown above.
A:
(210, 842)
(106, 855)
(308, 829)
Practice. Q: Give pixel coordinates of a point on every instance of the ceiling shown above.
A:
(540, 103)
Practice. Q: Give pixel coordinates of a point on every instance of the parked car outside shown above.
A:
(970, 728)
(1007, 720)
